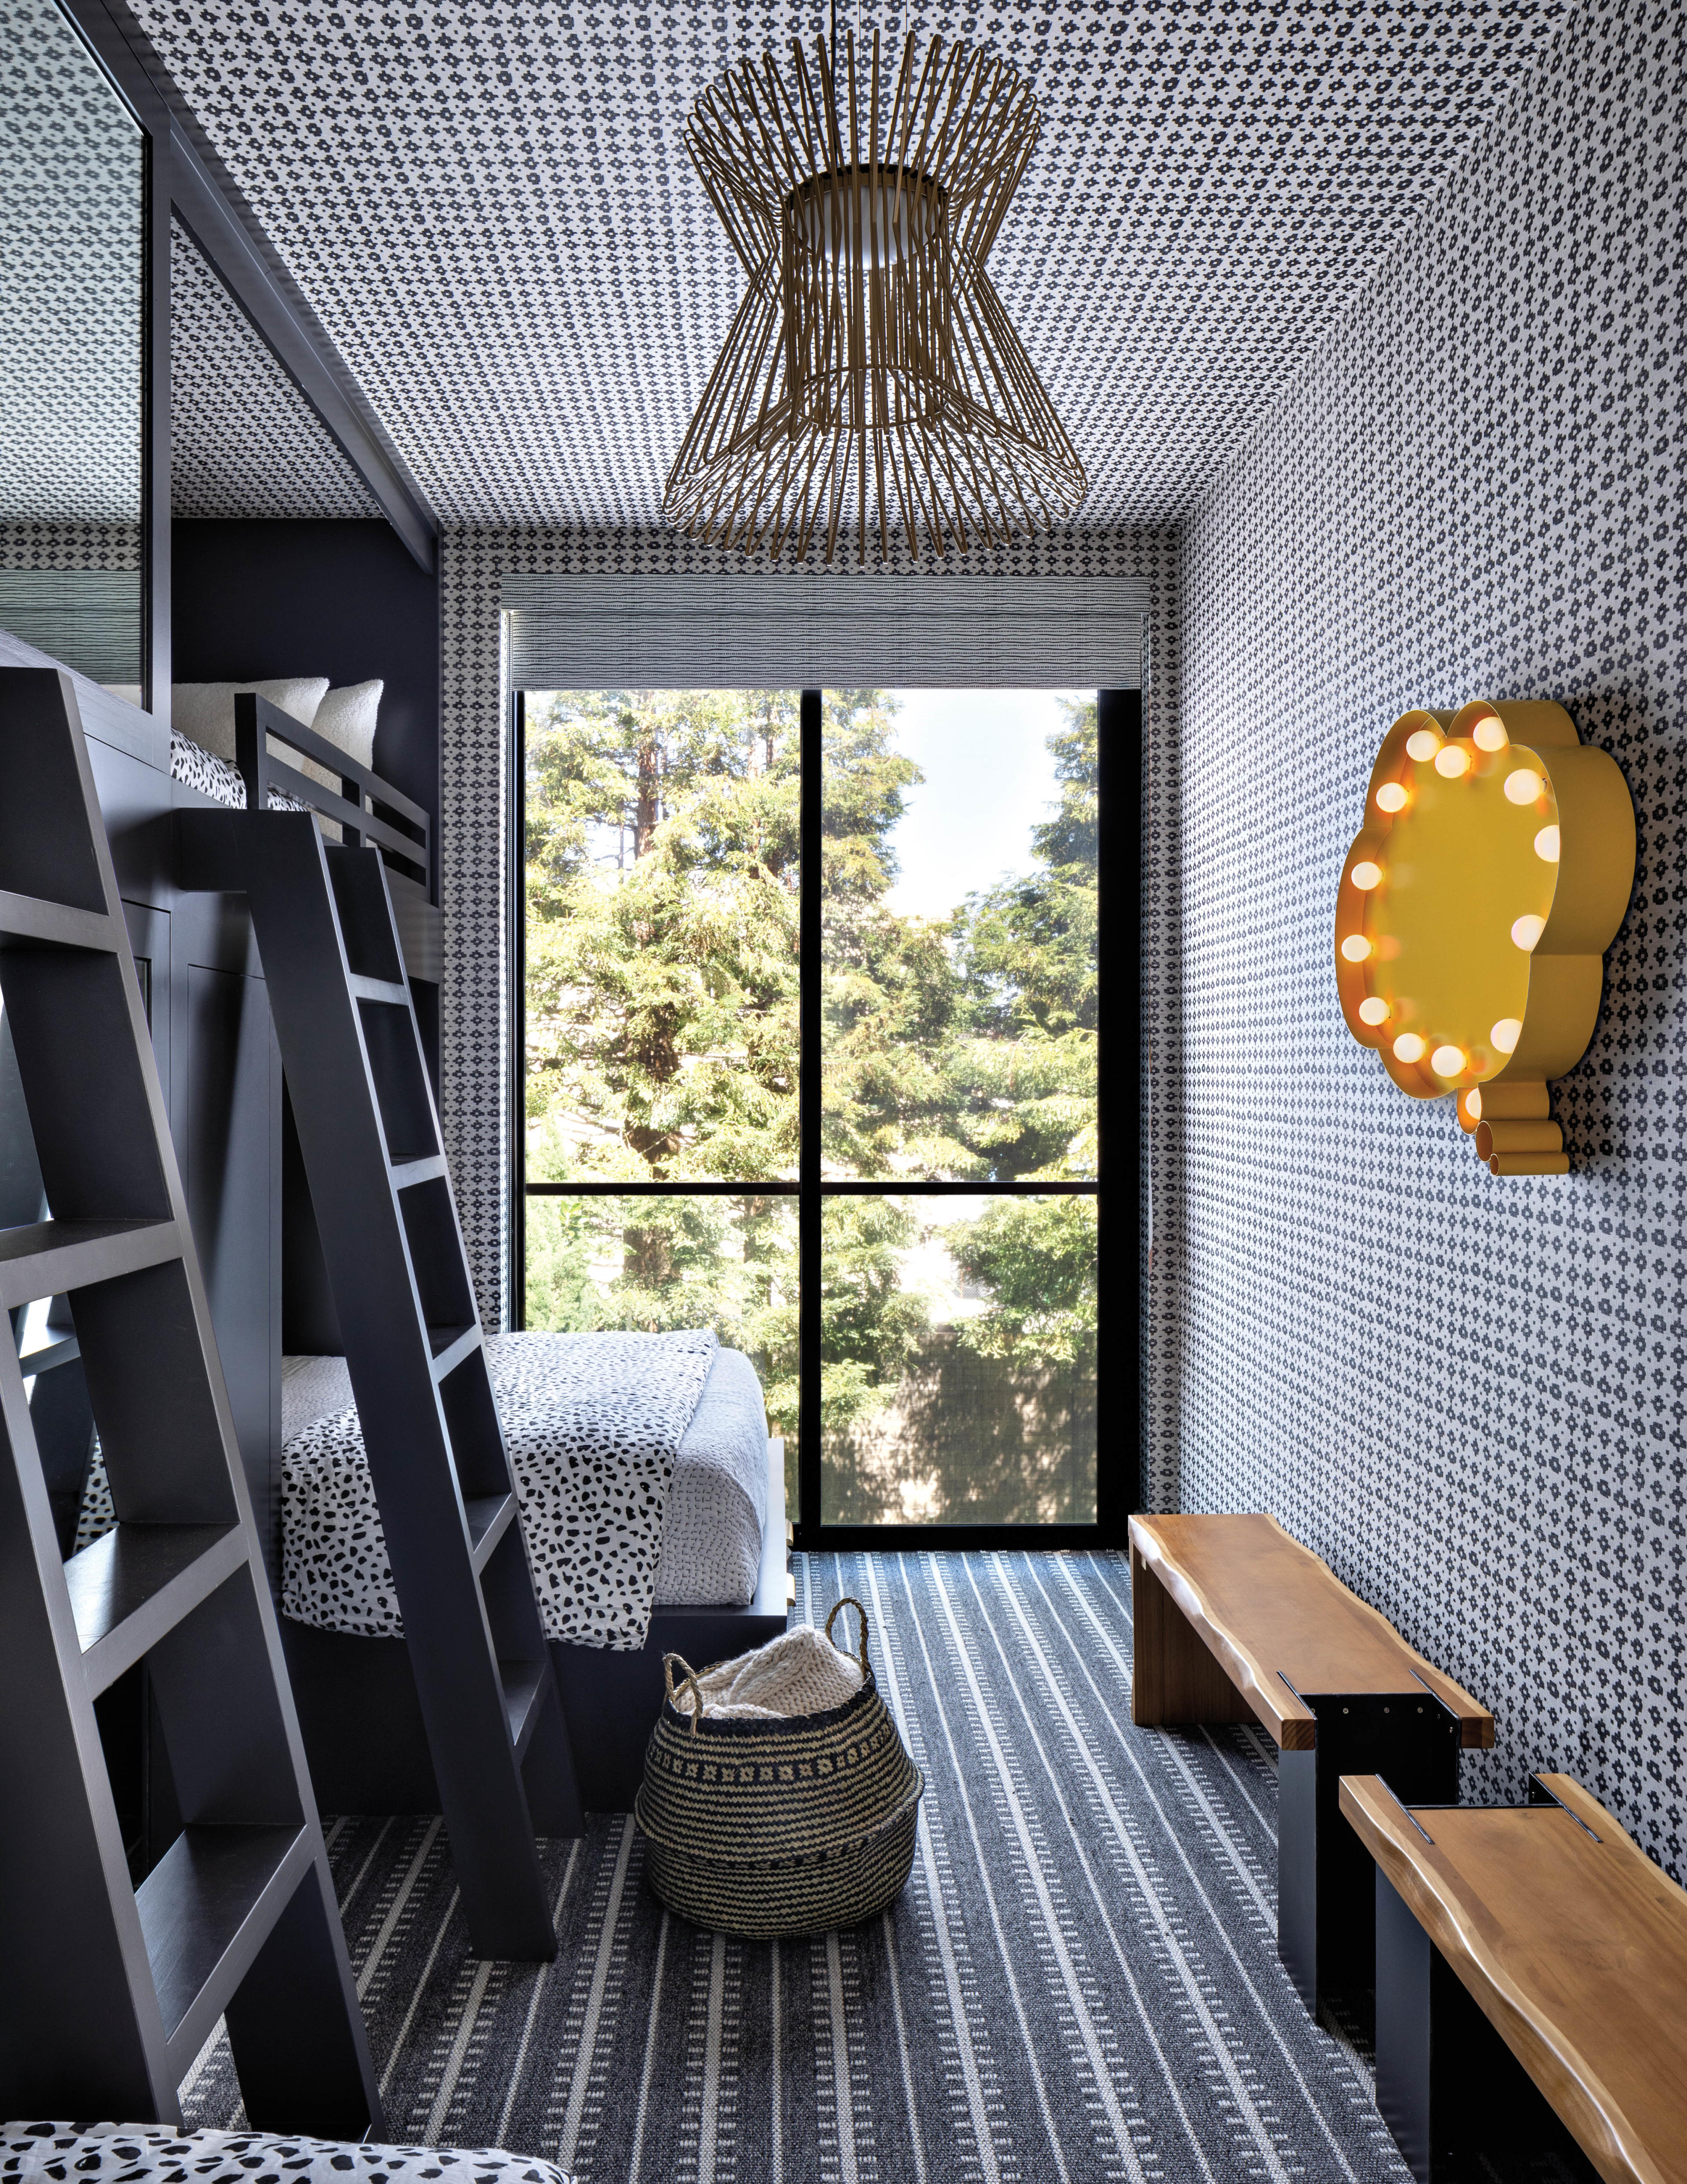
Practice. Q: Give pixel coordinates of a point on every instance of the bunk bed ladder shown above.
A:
(111, 1989)
(369, 1135)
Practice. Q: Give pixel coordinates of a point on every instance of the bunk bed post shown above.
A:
(111, 1988)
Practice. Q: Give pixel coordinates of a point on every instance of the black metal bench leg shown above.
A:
(1325, 1919)
(1448, 2087)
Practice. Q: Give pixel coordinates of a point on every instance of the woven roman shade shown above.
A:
(755, 631)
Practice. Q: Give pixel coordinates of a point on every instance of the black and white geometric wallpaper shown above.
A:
(70, 205)
(243, 441)
(488, 205)
(1470, 1395)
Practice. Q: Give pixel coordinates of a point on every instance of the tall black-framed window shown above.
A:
(824, 1029)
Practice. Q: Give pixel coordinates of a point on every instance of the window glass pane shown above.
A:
(655, 1263)
(958, 1357)
(661, 934)
(959, 971)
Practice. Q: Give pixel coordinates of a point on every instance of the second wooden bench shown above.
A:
(1236, 1622)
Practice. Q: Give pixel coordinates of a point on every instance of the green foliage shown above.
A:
(662, 1039)
(962, 1048)
(1036, 1258)
(661, 879)
(870, 1324)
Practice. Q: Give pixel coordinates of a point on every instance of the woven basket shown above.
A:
(771, 1828)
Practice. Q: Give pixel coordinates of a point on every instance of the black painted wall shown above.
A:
(256, 597)
(344, 599)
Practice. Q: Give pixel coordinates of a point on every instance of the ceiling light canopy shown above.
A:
(872, 380)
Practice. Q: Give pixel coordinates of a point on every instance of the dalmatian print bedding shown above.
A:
(593, 1424)
(195, 767)
(147, 2154)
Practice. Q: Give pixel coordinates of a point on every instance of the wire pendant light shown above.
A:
(871, 377)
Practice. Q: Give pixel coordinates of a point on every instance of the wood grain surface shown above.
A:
(1573, 1944)
(1261, 1604)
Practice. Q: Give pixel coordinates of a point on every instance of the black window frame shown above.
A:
(1118, 1190)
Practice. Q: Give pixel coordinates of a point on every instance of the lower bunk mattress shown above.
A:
(580, 1413)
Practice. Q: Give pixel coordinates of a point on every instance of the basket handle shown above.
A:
(849, 1601)
(689, 1680)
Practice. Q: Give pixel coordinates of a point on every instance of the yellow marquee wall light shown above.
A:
(1477, 902)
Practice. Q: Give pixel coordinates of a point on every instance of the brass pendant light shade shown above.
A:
(872, 380)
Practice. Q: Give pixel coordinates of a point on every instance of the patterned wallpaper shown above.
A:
(243, 441)
(474, 763)
(488, 206)
(1468, 1394)
(70, 201)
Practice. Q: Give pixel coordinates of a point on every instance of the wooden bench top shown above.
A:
(1574, 1943)
(1263, 1603)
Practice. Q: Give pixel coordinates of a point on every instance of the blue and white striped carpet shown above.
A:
(1081, 1980)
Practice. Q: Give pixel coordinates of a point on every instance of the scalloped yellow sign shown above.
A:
(1477, 902)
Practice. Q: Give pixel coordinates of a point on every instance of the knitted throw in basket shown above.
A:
(766, 1827)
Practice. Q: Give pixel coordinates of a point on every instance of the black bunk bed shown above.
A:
(365, 1721)
(211, 1022)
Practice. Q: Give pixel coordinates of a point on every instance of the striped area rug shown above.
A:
(1081, 1981)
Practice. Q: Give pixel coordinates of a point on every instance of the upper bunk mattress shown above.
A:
(586, 1418)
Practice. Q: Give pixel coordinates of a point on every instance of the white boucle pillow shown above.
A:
(204, 711)
(346, 717)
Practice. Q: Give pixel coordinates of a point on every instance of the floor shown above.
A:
(1081, 1980)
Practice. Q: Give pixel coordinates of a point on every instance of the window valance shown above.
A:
(750, 632)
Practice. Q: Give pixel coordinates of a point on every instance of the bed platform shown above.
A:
(363, 1726)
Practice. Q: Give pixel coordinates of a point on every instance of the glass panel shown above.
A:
(958, 1359)
(70, 324)
(658, 1263)
(959, 970)
(661, 934)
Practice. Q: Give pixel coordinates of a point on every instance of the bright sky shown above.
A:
(989, 780)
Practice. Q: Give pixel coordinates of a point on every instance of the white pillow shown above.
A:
(204, 711)
(346, 717)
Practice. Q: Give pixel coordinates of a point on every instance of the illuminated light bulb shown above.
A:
(1451, 761)
(1546, 845)
(1408, 1047)
(1422, 745)
(1473, 1103)
(1504, 1035)
(1490, 735)
(1524, 786)
(1355, 948)
(1526, 931)
(1448, 1062)
(1367, 876)
(1391, 797)
(1374, 1009)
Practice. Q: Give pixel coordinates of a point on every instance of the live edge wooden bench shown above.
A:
(1531, 1964)
(1235, 1621)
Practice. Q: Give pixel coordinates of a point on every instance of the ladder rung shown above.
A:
(489, 1516)
(31, 918)
(523, 1684)
(51, 1354)
(378, 989)
(427, 1170)
(137, 1582)
(450, 1347)
(206, 1909)
(46, 1257)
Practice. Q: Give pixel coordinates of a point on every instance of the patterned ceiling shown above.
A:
(488, 205)
(244, 440)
